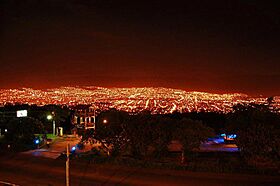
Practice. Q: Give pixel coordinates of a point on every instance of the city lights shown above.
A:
(157, 100)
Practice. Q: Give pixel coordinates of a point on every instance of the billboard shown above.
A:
(21, 113)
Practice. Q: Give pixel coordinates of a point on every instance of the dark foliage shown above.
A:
(20, 133)
(145, 135)
(61, 114)
(258, 132)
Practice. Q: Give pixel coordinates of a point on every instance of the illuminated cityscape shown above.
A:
(133, 100)
(133, 93)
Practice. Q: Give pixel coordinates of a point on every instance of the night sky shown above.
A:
(215, 46)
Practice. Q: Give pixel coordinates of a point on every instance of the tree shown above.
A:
(21, 133)
(61, 115)
(161, 135)
(258, 131)
(191, 134)
(139, 133)
(110, 131)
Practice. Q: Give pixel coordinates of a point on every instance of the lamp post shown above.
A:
(67, 165)
(50, 117)
(105, 121)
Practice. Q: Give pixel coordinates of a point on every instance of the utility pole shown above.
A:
(183, 157)
(67, 164)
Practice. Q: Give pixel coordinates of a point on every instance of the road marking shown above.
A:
(7, 183)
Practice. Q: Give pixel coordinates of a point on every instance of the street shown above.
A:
(29, 170)
(55, 149)
(59, 146)
(43, 167)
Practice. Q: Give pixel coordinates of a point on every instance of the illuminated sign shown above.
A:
(21, 113)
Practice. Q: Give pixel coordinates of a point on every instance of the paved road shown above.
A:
(27, 170)
(59, 146)
(55, 149)
(206, 147)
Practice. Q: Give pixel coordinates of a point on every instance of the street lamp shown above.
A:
(50, 117)
(105, 121)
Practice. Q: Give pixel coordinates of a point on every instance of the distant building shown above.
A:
(84, 116)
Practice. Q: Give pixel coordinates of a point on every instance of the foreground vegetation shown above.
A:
(19, 134)
(145, 138)
(142, 139)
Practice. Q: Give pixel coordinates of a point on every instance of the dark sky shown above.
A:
(214, 46)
